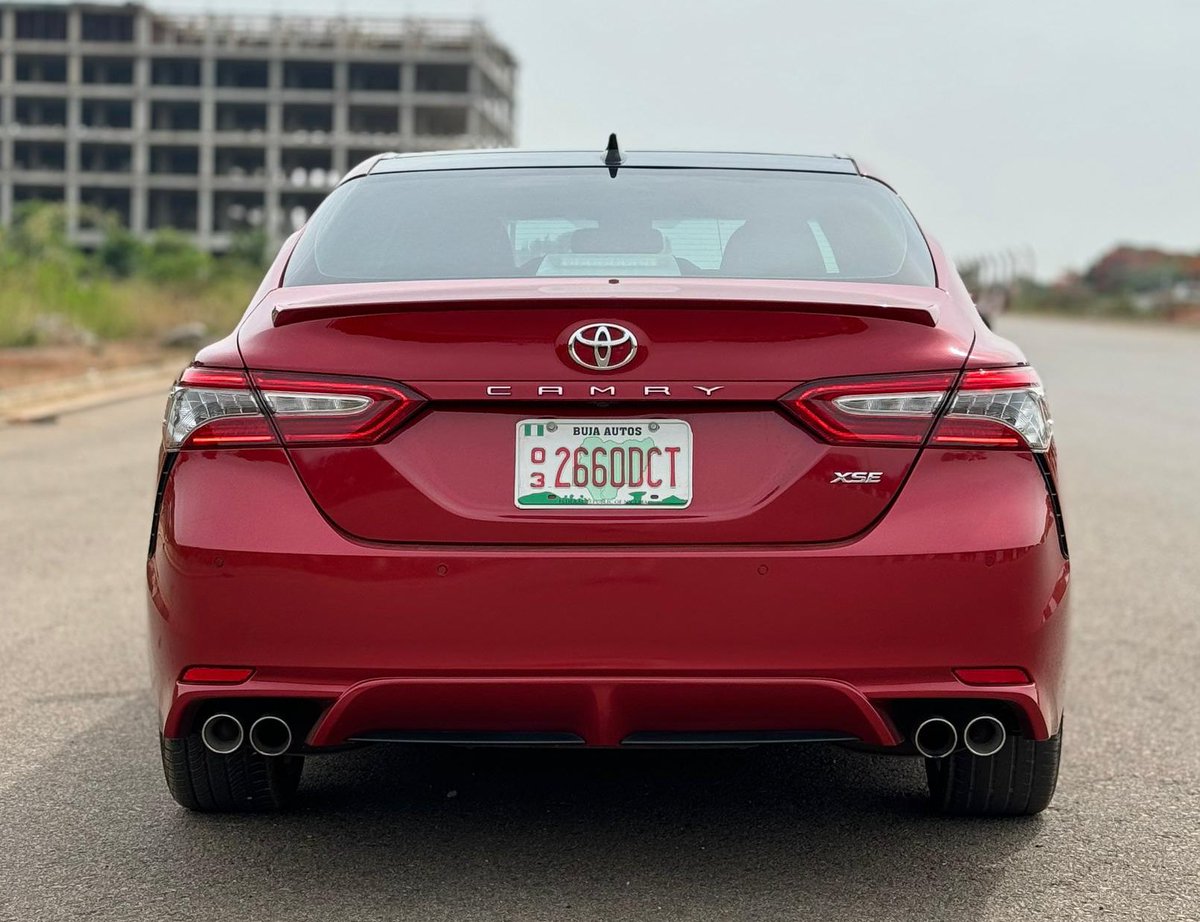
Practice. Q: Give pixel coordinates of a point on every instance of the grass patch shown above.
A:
(125, 289)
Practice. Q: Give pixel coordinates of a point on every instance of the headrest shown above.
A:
(774, 250)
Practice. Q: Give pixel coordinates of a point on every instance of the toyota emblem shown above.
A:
(602, 346)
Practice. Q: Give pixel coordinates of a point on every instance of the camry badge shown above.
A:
(602, 346)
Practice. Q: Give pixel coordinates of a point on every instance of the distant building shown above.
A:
(1127, 269)
(214, 124)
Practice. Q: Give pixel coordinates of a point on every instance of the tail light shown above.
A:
(214, 408)
(998, 408)
(224, 408)
(990, 408)
(319, 410)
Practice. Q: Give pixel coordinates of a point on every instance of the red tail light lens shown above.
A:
(318, 410)
(998, 408)
(893, 410)
(214, 408)
(224, 408)
(990, 408)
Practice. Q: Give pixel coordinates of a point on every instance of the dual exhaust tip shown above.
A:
(268, 735)
(936, 737)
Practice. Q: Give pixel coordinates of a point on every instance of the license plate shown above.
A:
(604, 463)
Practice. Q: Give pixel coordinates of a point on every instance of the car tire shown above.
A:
(1019, 780)
(241, 782)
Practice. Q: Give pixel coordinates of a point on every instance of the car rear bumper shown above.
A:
(605, 643)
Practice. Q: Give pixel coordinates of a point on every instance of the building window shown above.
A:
(237, 211)
(41, 68)
(175, 208)
(174, 116)
(105, 158)
(39, 155)
(174, 160)
(308, 75)
(175, 72)
(106, 113)
(377, 77)
(106, 27)
(239, 73)
(42, 25)
(440, 120)
(108, 70)
(374, 119)
(31, 110)
(307, 167)
(443, 78)
(241, 116)
(106, 202)
(240, 161)
(37, 194)
(305, 117)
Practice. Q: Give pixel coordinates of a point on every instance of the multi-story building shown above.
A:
(214, 124)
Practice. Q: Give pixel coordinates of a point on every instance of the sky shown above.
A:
(1062, 126)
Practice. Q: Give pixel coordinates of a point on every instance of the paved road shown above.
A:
(86, 828)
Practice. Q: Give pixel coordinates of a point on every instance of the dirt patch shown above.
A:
(38, 364)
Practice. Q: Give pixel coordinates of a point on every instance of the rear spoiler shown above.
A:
(755, 295)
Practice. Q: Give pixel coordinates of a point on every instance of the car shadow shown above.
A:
(426, 833)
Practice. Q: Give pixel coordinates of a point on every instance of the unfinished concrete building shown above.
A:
(216, 124)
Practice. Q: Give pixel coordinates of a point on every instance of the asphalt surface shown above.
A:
(87, 829)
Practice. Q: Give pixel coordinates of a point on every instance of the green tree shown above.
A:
(249, 247)
(170, 258)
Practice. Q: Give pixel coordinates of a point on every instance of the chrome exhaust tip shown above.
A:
(270, 736)
(935, 738)
(984, 735)
(222, 734)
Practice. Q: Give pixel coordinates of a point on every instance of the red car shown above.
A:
(596, 449)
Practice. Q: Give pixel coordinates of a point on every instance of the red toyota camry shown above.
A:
(607, 449)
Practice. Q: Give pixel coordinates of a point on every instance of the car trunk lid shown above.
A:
(713, 355)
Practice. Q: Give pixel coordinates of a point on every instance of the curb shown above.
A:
(45, 402)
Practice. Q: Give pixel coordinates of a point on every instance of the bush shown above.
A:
(1031, 297)
(126, 288)
(169, 258)
(120, 254)
(249, 248)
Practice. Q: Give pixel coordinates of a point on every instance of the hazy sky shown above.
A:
(1065, 125)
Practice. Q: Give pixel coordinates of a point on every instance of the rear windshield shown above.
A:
(580, 222)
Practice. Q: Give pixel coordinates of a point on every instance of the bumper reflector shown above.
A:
(216, 675)
(993, 675)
